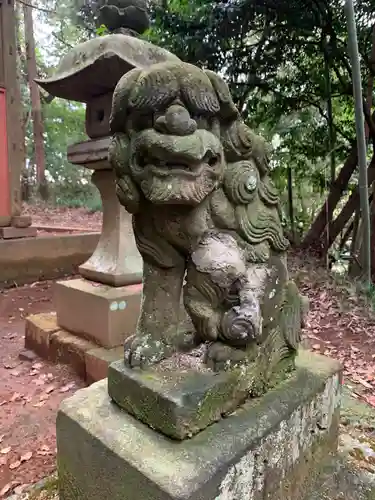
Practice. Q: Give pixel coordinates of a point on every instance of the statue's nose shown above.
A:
(176, 121)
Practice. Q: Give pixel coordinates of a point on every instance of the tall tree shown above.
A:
(36, 106)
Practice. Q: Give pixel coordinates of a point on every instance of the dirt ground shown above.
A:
(78, 218)
(30, 393)
(339, 325)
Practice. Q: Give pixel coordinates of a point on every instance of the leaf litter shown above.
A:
(340, 324)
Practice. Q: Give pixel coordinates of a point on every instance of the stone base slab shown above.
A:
(26, 260)
(10, 232)
(5, 220)
(273, 447)
(103, 314)
(98, 361)
(21, 221)
(44, 337)
(181, 395)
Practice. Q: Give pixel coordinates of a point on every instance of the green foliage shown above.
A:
(102, 30)
(272, 54)
(64, 125)
(64, 121)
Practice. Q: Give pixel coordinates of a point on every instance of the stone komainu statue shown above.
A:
(206, 220)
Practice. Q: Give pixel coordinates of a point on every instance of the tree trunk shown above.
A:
(370, 89)
(331, 129)
(290, 202)
(21, 75)
(335, 228)
(36, 107)
(358, 263)
(313, 236)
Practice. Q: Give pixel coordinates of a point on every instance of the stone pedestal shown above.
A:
(271, 448)
(105, 314)
(10, 232)
(97, 312)
(116, 260)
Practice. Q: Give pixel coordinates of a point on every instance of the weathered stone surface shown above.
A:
(38, 331)
(97, 116)
(5, 220)
(273, 447)
(43, 336)
(116, 260)
(70, 350)
(17, 232)
(21, 221)
(94, 67)
(206, 218)
(26, 260)
(181, 395)
(104, 314)
(98, 360)
(27, 355)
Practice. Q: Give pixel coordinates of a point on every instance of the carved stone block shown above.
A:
(97, 116)
(181, 396)
(274, 447)
(106, 315)
(9, 233)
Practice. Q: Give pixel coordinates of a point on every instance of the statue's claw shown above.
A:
(143, 351)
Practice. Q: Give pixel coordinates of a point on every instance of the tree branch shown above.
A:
(41, 9)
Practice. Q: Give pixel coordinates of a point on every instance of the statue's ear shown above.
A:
(228, 109)
(120, 100)
(118, 156)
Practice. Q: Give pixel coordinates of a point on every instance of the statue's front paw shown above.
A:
(143, 350)
(222, 357)
(240, 327)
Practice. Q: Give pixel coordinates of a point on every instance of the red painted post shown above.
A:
(5, 209)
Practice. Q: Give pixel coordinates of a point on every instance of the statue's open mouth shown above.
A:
(168, 155)
(176, 164)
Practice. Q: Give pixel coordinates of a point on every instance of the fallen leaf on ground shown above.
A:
(26, 457)
(16, 396)
(6, 489)
(9, 366)
(39, 405)
(44, 450)
(67, 387)
(15, 465)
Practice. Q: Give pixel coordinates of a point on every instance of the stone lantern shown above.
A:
(107, 296)
(89, 74)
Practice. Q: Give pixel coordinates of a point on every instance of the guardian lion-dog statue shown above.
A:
(206, 220)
